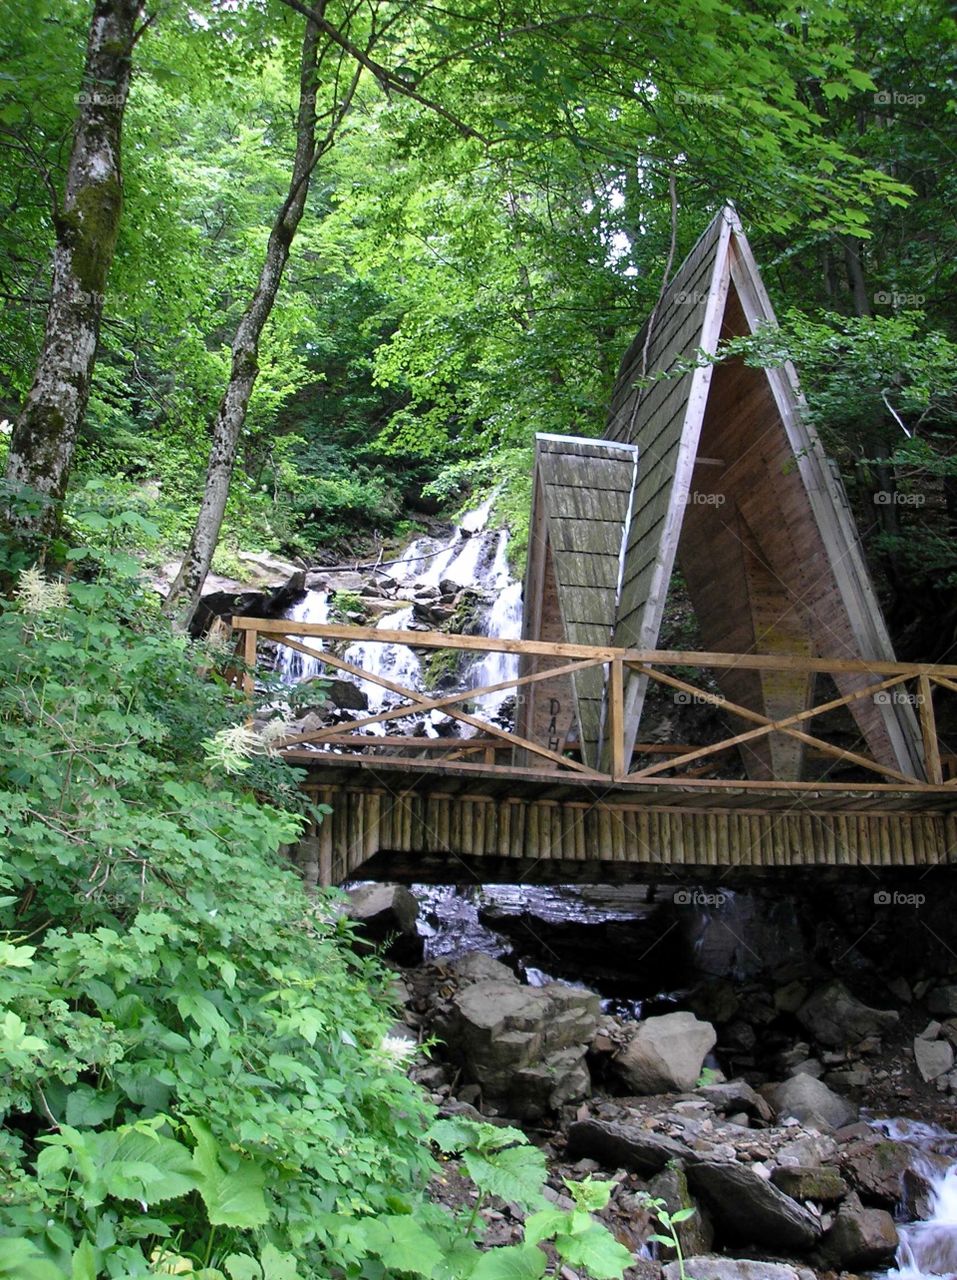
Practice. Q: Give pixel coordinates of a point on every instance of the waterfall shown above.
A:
(472, 557)
(504, 622)
(392, 661)
(927, 1250)
(292, 665)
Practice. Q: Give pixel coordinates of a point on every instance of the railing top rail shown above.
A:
(279, 627)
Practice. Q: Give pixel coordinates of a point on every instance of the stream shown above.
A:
(581, 934)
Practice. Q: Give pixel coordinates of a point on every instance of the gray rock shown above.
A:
(836, 1018)
(695, 1234)
(747, 1208)
(346, 696)
(933, 1057)
(943, 1000)
(803, 1182)
(525, 1046)
(476, 966)
(736, 1095)
(665, 1054)
(624, 1146)
(388, 913)
(811, 1102)
(886, 1172)
(859, 1237)
(707, 1268)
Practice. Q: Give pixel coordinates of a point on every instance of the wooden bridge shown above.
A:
(495, 804)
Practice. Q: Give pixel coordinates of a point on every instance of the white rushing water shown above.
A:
(293, 666)
(472, 557)
(927, 1250)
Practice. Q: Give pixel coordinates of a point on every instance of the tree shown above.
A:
(86, 223)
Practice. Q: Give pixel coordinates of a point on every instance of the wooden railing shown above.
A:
(911, 684)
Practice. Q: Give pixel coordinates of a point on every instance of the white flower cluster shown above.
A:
(397, 1051)
(34, 594)
(232, 749)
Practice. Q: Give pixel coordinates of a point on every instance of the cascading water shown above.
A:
(928, 1250)
(393, 662)
(472, 558)
(504, 621)
(293, 666)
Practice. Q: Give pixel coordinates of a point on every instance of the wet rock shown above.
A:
(388, 913)
(695, 1234)
(250, 604)
(836, 1018)
(709, 1268)
(810, 1101)
(933, 1057)
(624, 1146)
(666, 1054)
(748, 1208)
(346, 696)
(802, 1182)
(878, 1170)
(736, 1095)
(859, 1237)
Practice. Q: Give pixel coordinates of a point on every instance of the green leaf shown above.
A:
(21, 1260)
(514, 1262)
(597, 1251)
(86, 1107)
(516, 1174)
(402, 1244)
(84, 1265)
(234, 1198)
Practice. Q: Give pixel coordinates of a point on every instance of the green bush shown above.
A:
(195, 1071)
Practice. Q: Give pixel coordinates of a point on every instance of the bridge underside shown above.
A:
(403, 820)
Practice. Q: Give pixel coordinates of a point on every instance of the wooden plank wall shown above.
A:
(586, 493)
(368, 821)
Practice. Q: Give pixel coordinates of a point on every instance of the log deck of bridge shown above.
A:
(456, 819)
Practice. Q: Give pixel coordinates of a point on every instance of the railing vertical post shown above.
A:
(616, 717)
(249, 660)
(928, 728)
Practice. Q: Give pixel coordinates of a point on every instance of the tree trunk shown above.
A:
(231, 417)
(86, 224)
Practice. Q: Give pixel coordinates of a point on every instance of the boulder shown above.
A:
(476, 966)
(933, 1057)
(804, 1098)
(387, 913)
(734, 1096)
(748, 1208)
(346, 696)
(859, 1238)
(836, 1018)
(625, 1146)
(274, 603)
(808, 1182)
(943, 1000)
(708, 1268)
(886, 1172)
(695, 1234)
(665, 1054)
(525, 1046)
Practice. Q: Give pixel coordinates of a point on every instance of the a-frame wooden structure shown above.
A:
(732, 484)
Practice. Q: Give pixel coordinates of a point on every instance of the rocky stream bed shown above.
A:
(811, 1130)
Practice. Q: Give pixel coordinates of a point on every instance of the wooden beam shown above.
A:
(616, 719)
(768, 727)
(928, 728)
